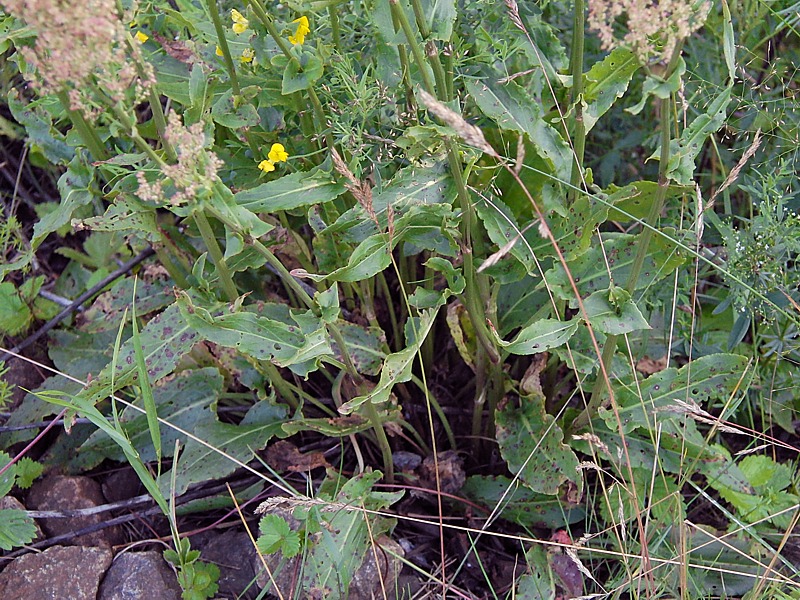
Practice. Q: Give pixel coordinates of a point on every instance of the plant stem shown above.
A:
(419, 57)
(223, 45)
(383, 442)
(215, 253)
(85, 131)
(597, 397)
(578, 125)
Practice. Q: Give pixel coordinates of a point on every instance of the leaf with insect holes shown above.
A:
(606, 82)
(532, 445)
(511, 108)
(618, 252)
(713, 377)
(540, 336)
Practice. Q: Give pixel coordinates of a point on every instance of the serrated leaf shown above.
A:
(541, 336)
(710, 377)
(532, 445)
(612, 319)
(27, 471)
(607, 81)
(16, 529)
(277, 535)
(303, 188)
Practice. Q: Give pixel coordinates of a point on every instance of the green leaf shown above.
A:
(16, 529)
(520, 505)
(15, 315)
(713, 377)
(660, 88)
(397, 366)
(683, 151)
(607, 81)
(164, 341)
(541, 336)
(513, 109)
(75, 189)
(218, 449)
(229, 112)
(611, 318)
(537, 583)
(439, 16)
(7, 478)
(276, 535)
(532, 445)
(183, 402)
(303, 188)
(502, 228)
(127, 214)
(27, 471)
(39, 128)
(300, 74)
(634, 200)
(590, 272)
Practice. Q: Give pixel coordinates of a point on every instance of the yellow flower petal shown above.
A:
(278, 153)
(303, 28)
(266, 166)
(247, 55)
(141, 37)
(218, 51)
(240, 23)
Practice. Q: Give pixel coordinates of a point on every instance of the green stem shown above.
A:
(437, 409)
(598, 392)
(223, 45)
(578, 125)
(85, 131)
(286, 48)
(387, 296)
(337, 37)
(215, 253)
(419, 57)
(383, 442)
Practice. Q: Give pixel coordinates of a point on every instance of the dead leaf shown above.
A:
(648, 366)
(284, 456)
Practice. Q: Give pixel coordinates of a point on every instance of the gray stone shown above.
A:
(140, 576)
(60, 572)
(234, 554)
(60, 493)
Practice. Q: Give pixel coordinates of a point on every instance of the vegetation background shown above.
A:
(497, 300)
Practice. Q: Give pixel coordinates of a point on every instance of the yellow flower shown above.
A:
(247, 55)
(218, 51)
(302, 29)
(278, 153)
(141, 37)
(266, 166)
(239, 22)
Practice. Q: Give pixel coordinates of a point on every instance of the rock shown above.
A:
(60, 572)
(60, 493)
(234, 554)
(122, 484)
(140, 576)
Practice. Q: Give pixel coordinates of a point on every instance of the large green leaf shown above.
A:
(439, 16)
(605, 82)
(184, 402)
(297, 346)
(590, 273)
(222, 442)
(684, 150)
(502, 228)
(713, 377)
(532, 445)
(511, 108)
(291, 191)
(164, 341)
(634, 200)
(541, 336)
(520, 505)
